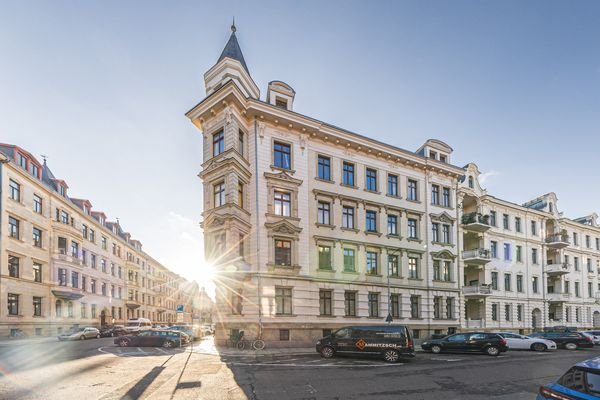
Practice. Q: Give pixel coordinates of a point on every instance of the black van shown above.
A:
(388, 341)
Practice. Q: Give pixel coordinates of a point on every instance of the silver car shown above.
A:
(80, 334)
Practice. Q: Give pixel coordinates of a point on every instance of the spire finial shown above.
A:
(233, 28)
(44, 158)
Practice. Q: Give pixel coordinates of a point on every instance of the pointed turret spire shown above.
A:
(232, 48)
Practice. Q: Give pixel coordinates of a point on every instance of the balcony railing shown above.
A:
(475, 323)
(475, 218)
(557, 238)
(477, 290)
(561, 268)
(477, 253)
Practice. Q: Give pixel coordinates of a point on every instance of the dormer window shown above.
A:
(432, 154)
(35, 170)
(22, 161)
(86, 210)
(62, 190)
(101, 219)
(443, 158)
(281, 103)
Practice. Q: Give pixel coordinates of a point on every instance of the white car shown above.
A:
(514, 341)
(595, 335)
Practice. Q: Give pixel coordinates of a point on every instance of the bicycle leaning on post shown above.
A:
(241, 343)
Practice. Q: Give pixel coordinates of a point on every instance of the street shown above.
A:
(96, 369)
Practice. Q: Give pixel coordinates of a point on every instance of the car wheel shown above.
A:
(327, 352)
(391, 356)
(168, 344)
(112, 334)
(82, 337)
(123, 342)
(571, 346)
(436, 349)
(492, 351)
(98, 336)
(539, 347)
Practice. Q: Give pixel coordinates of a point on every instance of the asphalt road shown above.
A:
(96, 369)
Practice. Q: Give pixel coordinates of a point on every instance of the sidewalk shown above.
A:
(4, 341)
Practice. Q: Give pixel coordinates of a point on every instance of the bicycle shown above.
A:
(256, 344)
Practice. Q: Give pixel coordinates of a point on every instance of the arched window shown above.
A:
(471, 183)
(70, 309)
(58, 308)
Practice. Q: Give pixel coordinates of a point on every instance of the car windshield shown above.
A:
(133, 324)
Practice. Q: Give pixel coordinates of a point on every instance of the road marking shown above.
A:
(140, 350)
(447, 359)
(161, 350)
(316, 365)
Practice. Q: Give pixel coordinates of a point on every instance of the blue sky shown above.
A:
(102, 88)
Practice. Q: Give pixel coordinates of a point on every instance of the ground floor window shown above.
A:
(350, 303)
(325, 299)
(283, 300)
(13, 304)
(395, 303)
(284, 334)
(373, 304)
(415, 311)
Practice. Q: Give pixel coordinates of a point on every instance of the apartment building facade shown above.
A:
(64, 264)
(313, 227)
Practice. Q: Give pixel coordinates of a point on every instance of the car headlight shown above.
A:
(318, 342)
(425, 343)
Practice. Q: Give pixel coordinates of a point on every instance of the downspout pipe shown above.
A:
(258, 273)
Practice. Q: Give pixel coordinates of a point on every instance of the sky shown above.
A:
(101, 88)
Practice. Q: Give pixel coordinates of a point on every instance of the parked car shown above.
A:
(566, 340)
(582, 381)
(80, 334)
(188, 329)
(595, 335)
(136, 325)
(154, 338)
(391, 342)
(468, 342)
(514, 341)
(116, 330)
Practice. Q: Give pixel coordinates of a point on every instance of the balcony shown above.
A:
(476, 291)
(557, 269)
(476, 222)
(557, 240)
(598, 298)
(557, 297)
(477, 256)
(65, 256)
(475, 323)
(66, 293)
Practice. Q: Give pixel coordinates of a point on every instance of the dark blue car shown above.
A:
(581, 382)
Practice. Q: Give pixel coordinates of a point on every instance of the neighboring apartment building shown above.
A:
(313, 227)
(526, 266)
(64, 264)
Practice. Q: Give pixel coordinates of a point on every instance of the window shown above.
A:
(283, 300)
(93, 261)
(494, 248)
(241, 142)
(323, 214)
(93, 311)
(70, 309)
(443, 158)
(74, 279)
(104, 242)
(589, 265)
(590, 289)
(597, 243)
(240, 198)
(518, 224)
(413, 268)
(93, 287)
(493, 218)
(534, 256)
(37, 272)
(450, 307)
(348, 217)
(519, 255)
(103, 265)
(393, 265)
(520, 283)
(14, 190)
(415, 311)
(283, 252)
(13, 304)
(575, 239)
(507, 252)
(437, 270)
(281, 103)
(392, 185)
(507, 280)
(37, 237)
(372, 263)
(349, 260)
(519, 312)
(83, 283)
(392, 224)
(103, 287)
(533, 228)
(283, 204)
(219, 194)
(437, 307)
(348, 174)
(495, 280)
(505, 221)
(13, 227)
(37, 306)
(324, 168)
(395, 303)
(435, 194)
(494, 312)
(325, 302)
(471, 182)
(324, 257)
(371, 179)
(218, 143)
(350, 303)
(412, 190)
(412, 228)
(435, 232)
(577, 292)
(446, 234)
(373, 305)
(37, 204)
(446, 197)
(371, 221)
(507, 313)
(447, 271)
(74, 249)
(13, 266)
(576, 263)
(284, 334)
(282, 155)
(588, 242)
(534, 284)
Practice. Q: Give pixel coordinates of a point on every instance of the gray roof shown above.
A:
(232, 50)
